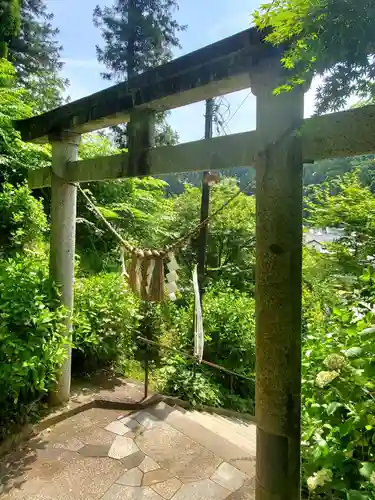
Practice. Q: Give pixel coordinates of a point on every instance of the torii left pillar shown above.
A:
(62, 249)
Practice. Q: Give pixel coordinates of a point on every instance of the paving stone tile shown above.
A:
(132, 477)
(229, 477)
(130, 420)
(201, 490)
(167, 488)
(96, 435)
(246, 465)
(148, 465)
(118, 492)
(122, 447)
(73, 444)
(246, 492)
(95, 450)
(174, 451)
(71, 477)
(50, 453)
(147, 420)
(117, 427)
(133, 460)
(156, 476)
(102, 416)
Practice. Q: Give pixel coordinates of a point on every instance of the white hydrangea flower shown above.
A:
(324, 378)
(319, 478)
(311, 483)
(372, 478)
(334, 362)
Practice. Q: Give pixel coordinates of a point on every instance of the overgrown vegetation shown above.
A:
(338, 447)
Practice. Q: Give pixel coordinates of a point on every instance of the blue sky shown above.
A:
(207, 20)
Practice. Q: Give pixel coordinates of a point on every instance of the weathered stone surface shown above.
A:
(201, 490)
(132, 477)
(101, 416)
(96, 435)
(71, 477)
(148, 465)
(117, 427)
(183, 457)
(246, 465)
(246, 492)
(147, 420)
(95, 450)
(73, 444)
(129, 418)
(122, 447)
(228, 477)
(133, 460)
(118, 492)
(131, 423)
(167, 488)
(156, 476)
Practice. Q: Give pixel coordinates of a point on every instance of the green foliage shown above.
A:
(229, 326)
(338, 404)
(35, 53)
(16, 156)
(32, 345)
(106, 316)
(95, 144)
(231, 239)
(183, 379)
(138, 35)
(9, 23)
(323, 38)
(346, 203)
(146, 38)
(137, 208)
(22, 219)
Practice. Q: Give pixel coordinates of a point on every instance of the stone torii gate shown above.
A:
(277, 149)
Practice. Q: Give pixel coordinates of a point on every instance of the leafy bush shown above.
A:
(185, 380)
(31, 336)
(22, 220)
(16, 156)
(338, 403)
(229, 326)
(106, 316)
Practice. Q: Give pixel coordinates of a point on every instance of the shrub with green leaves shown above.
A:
(32, 342)
(229, 326)
(105, 318)
(22, 219)
(183, 379)
(338, 402)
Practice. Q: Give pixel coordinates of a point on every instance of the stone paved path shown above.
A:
(161, 453)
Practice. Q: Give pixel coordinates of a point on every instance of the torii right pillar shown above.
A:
(278, 289)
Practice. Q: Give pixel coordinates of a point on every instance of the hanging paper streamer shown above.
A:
(198, 323)
(172, 276)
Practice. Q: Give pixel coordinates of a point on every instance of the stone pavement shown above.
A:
(154, 454)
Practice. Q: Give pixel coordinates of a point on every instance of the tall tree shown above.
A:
(332, 38)
(138, 35)
(35, 53)
(9, 24)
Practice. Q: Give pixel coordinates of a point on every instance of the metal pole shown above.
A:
(205, 203)
(146, 373)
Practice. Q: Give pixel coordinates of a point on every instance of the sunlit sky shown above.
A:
(207, 20)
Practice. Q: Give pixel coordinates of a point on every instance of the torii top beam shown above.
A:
(216, 69)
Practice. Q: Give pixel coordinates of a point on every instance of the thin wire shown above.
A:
(237, 110)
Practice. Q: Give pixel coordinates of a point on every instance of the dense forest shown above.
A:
(338, 448)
